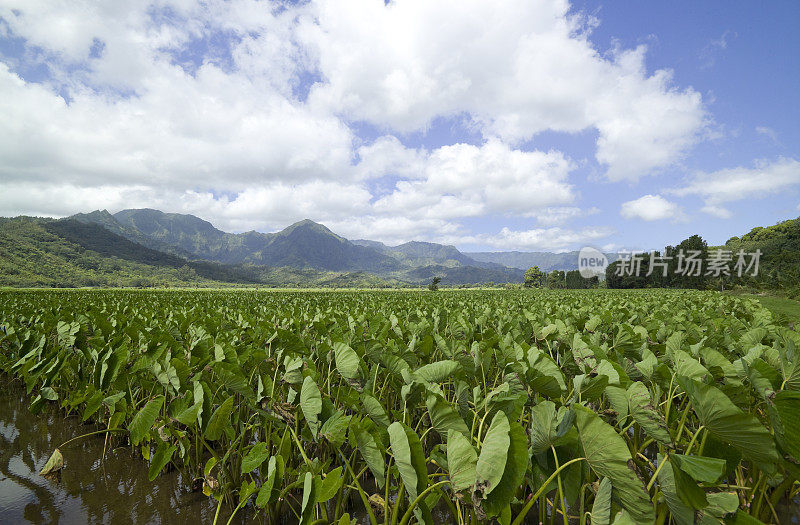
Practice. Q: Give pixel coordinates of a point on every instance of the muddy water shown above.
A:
(90, 489)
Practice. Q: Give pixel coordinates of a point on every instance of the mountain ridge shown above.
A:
(302, 245)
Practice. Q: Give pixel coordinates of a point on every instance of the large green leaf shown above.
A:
(544, 375)
(513, 472)
(548, 425)
(409, 457)
(143, 421)
(163, 455)
(687, 488)
(687, 366)
(335, 428)
(444, 416)
(729, 424)
(347, 360)
(703, 469)
(682, 513)
(92, 405)
(270, 488)
(436, 372)
(189, 415)
(601, 508)
(219, 420)
(608, 455)
(309, 499)
(311, 404)
(329, 486)
(646, 415)
(461, 460)
(374, 409)
(787, 404)
(234, 380)
(372, 455)
(257, 455)
(493, 456)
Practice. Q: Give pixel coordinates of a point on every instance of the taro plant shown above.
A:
(465, 407)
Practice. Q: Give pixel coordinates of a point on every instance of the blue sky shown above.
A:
(505, 126)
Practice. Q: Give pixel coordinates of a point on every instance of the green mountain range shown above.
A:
(546, 261)
(145, 247)
(156, 248)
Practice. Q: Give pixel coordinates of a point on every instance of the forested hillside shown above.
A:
(33, 252)
(778, 263)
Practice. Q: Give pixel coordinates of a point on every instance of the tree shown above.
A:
(681, 272)
(575, 281)
(434, 284)
(533, 277)
(556, 279)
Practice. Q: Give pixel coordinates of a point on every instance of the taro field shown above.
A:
(467, 407)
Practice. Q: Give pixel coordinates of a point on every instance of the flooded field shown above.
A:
(91, 488)
(321, 407)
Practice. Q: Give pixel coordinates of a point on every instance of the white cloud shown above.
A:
(515, 69)
(394, 230)
(212, 130)
(554, 215)
(729, 185)
(463, 180)
(650, 208)
(768, 132)
(550, 239)
(265, 208)
(708, 55)
(200, 107)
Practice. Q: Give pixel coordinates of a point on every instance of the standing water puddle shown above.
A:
(90, 490)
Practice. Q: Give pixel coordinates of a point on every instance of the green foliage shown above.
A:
(96, 250)
(534, 277)
(457, 407)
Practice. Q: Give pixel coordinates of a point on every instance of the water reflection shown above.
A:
(89, 489)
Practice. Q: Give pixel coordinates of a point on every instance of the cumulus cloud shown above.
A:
(270, 207)
(514, 69)
(724, 186)
(211, 130)
(248, 113)
(463, 180)
(650, 208)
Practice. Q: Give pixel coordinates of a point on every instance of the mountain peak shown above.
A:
(152, 221)
(307, 225)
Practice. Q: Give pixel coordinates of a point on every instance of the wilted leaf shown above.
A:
(54, 464)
